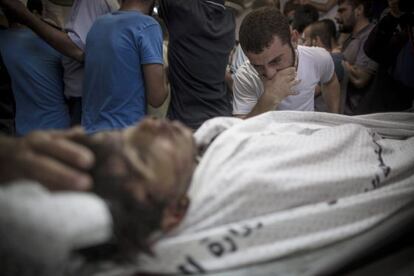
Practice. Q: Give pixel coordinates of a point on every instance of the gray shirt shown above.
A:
(83, 15)
(353, 50)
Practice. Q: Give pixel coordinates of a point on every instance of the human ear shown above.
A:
(359, 10)
(317, 42)
(174, 213)
(294, 38)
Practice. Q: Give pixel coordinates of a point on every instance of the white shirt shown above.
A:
(315, 66)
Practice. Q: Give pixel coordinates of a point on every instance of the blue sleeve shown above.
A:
(151, 45)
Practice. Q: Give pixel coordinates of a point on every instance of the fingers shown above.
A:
(57, 146)
(292, 84)
(288, 71)
(54, 175)
(55, 161)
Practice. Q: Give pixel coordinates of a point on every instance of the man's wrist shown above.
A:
(273, 98)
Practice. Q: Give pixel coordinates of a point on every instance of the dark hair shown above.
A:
(289, 6)
(133, 221)
(304, 16)
(324, 29)
(263, 3)
(35, 5)
(366, 4)
(259, 28)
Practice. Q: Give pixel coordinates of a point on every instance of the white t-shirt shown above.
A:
(315, 66)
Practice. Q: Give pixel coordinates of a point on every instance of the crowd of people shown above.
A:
(64, 67)
(247, 86)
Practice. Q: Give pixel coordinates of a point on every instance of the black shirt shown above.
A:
(202, 34)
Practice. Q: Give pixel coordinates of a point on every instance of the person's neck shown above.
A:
(335, 47)
(360, 24)
(133, 6)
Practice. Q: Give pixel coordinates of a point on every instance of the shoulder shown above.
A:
(363, 35)
(246, 74)
(313, 52)
(313, 55)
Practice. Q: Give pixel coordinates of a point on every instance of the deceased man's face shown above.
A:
(157, 157)
(143, 173)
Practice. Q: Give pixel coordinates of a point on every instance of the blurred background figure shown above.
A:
(202, 35)
(323, 34)
(37, 79)
(354, 20)
(304, 15)
(7, 106)
(56, 12)
(391, 44)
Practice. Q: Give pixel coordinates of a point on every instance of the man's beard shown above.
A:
(346, 29)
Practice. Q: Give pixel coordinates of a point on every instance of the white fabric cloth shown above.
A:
(82, 16)
(267, 187)
(286, 182)
(314, 65)
(45, 227)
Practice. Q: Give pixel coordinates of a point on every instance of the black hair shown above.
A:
(263, 3)
(35, 5)
(326, 30)
(366, 4)
(304, 16)
(289, 6)
(259, 28)
(133, 221)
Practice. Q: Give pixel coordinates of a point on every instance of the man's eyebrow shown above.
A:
(276, 59)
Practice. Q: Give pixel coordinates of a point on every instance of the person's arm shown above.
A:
(275, 91)
(358, 76)
(49, 157)
(56, 38)
(156, 91)
(331, 93)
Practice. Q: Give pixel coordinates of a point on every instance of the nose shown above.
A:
(269, 72)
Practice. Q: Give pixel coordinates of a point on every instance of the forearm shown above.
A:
(359, 77)
(266, 102)
(54, 37)
(331, 93)
(155, 85)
